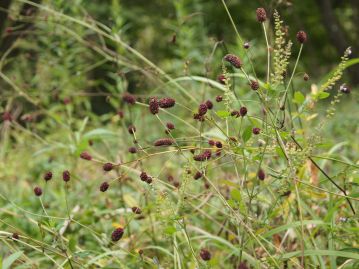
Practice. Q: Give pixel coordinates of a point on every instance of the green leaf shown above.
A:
(98, 133)
(247, 133)
(236, 195)
(323, 95)
(223, 114)
(299, 98)
(8, 261)
(319, 252)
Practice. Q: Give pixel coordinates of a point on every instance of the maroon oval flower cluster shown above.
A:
(136, 210)
(107, 167)
(38, 191)
(222, 79)
(254, 85)
(261, 175)
(261, 14)
(48, 176)
(302, 37)
(205, 254)
(163, 142)
(233, 60)
(131, 129)
(167, 102)
(256, 130)
(205, 155)
(219, 98)
(66, 176)
(86, 156)
(104, 186)
(129, 98)
(146, 178)
(153, 105)
(132, 150)
(197, 175)
(117, 234)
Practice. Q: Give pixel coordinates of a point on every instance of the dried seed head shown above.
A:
(209, 104)
(344, 88)
(167, 102)
(246, 45)
(302, 37)
(66, 175)
(48, 175)
(243, 111)
(153, 105)
(38, 191)
(197, 175)
(261, 14)
(256, 130)
(86, 156)
(170, 125)
(219, 98)
(205, 254)
(219, 144)
(136, 210)
(163, 142)
(306, 77)
(129, 98)
(202, 109)
(117, 234)
(6, 116)
(131, 129)
(132, 150)
(233, 60)
(143, 176)
(254, 85)
(222, 79)
(104, 186)
(261, 175)
(107, 167)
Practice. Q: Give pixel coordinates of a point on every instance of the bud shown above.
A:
(261, 175)
(219, 98)
(205, 254)
(38, 191)
(66, 175)
(256, 130)
(48, 176)
(117, 234)
(104, 186)
(129, 98)
(86, 156)
(243, 111)
(233, 60)
(254, 85)
(302, 37)
(209, 104)
(153, 105)
(261, 14)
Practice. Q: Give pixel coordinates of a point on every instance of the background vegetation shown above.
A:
(64, 67)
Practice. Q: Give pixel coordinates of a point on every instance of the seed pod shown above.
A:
(38, 191)
(66, 175)
(107, 167)
(167, 102)
(117, 234)
(104, 186)
(205, 254)
(233, 60)
(302, 37)
(261, 14)
(86, 156)
(48, 176)
(153, 105)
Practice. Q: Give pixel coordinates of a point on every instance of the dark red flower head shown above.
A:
(131, 129)
(167, 102)
(163, 142)
(235, 113)
(254, 85)
(219, 144)
(302, 37)
(107, 167)
(202, 109)
(197, 175)
(170, 125)
(48, 175)
(153, 105)
(66, 175)
(86, 156)
(149, 180)
(243, 111)
(209, 104)
(104, 186)
(38, 191)
(261, 175)
(261, 14)
(129, 98)
(246, 45)
(344, 88)
(120, 114)
(136, 210)
(15, 236)
(6, 116)
(132, 150)
(233, 60)
(219, 98)
(205, 254)
(256, 130)
(221, 79)
(117, 234)
(211, 142)
(198, 117)
(143, 176)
